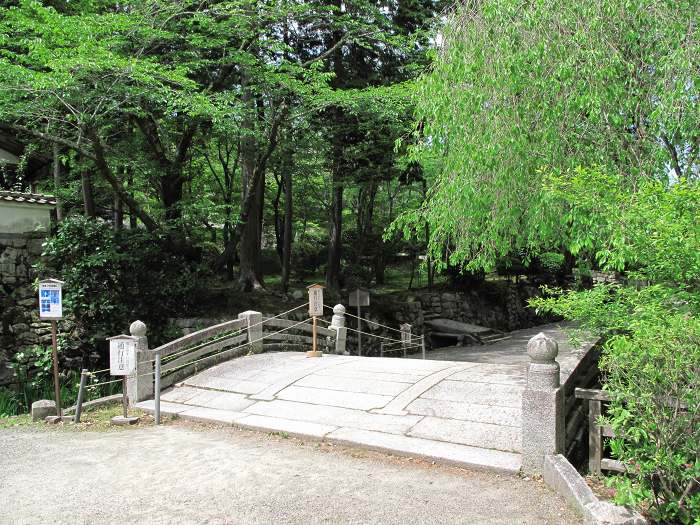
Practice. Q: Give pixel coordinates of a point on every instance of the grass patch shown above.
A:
(97, 419)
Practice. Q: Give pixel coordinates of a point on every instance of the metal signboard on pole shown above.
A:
(315, 310)
(359, 298)
(51, 308)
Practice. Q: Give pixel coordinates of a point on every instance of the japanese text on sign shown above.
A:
(50, 301)
(316, 301)
(122, 356)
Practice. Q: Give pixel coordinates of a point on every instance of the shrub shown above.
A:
(651, 361)
(113, 279)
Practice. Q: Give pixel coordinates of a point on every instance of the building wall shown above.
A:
(23, 217)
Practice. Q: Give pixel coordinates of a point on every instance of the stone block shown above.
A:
(335, 398)
(360, 385)
(451, 453)
(42, 409)
(466, 412)
(543, 427)
(295, 428)
(563, 478)
(485, 435)
(339, 416)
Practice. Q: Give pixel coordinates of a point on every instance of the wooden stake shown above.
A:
(314, 352)
(54, 355)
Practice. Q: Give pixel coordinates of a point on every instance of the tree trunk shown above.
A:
(249, 248)
(428, 262)
(107, 175)
(335, 225)
(278, 220)
(287, 235)
(118, 214)
(57, 182)
(171, 194)
(335, 236)
(88, 199)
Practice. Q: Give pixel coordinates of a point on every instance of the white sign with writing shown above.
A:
(359, 297)
(316, 301)
(50, 299)
(122, 355)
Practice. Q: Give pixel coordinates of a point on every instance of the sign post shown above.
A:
(51, 308)
(122, 362)
(315, 310)
(359, 298)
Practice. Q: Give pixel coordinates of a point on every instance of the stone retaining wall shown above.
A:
(500, 305)
(20, 327)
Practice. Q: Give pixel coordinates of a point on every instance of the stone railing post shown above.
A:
(139, 386)
(405, 336)
(542, 405)
(338, 324)
(255, 330)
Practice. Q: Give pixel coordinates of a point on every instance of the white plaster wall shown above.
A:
(21, 218)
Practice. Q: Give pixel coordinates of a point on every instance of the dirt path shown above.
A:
(188, 474)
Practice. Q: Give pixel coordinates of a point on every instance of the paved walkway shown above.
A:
(176, 475)
(456, 411)
(513, 351)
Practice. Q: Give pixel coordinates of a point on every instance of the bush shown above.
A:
(651, 361)
(113, 279)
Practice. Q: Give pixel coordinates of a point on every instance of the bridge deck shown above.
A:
(467, 413)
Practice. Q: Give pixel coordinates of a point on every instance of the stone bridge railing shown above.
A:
(250, 333)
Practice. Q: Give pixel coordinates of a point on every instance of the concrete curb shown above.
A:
(562, 477)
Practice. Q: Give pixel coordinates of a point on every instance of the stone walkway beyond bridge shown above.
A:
(461, 412)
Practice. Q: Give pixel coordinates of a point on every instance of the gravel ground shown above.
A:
(185, 473)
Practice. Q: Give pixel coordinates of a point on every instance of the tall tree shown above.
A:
(518, 89)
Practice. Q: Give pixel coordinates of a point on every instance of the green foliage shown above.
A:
(651, 360)
(113, 279)
(33, 380)
(521, 89)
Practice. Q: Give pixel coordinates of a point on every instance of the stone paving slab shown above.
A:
(342, 417)
(334, 398)
(356, 384)
(211, 415)
(461, 455)
(507, 416)
(338, 371)
(290, 426)
(485, 435)
(476, 393)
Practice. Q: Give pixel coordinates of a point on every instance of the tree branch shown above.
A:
(103, 168)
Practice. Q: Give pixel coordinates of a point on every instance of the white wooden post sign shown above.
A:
(122, 355)
(122, 362)
(51, 299)
(315, 300)
(315, 310)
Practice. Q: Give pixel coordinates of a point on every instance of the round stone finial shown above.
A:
(339, 309)
(138, 328)
(542, 349)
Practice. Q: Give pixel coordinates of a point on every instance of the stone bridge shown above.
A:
(471, 406)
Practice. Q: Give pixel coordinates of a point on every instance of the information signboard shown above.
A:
(122, 355)
(315, 300)
(359, 297)
(50, 299)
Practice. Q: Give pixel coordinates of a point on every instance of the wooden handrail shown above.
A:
(200, 335)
